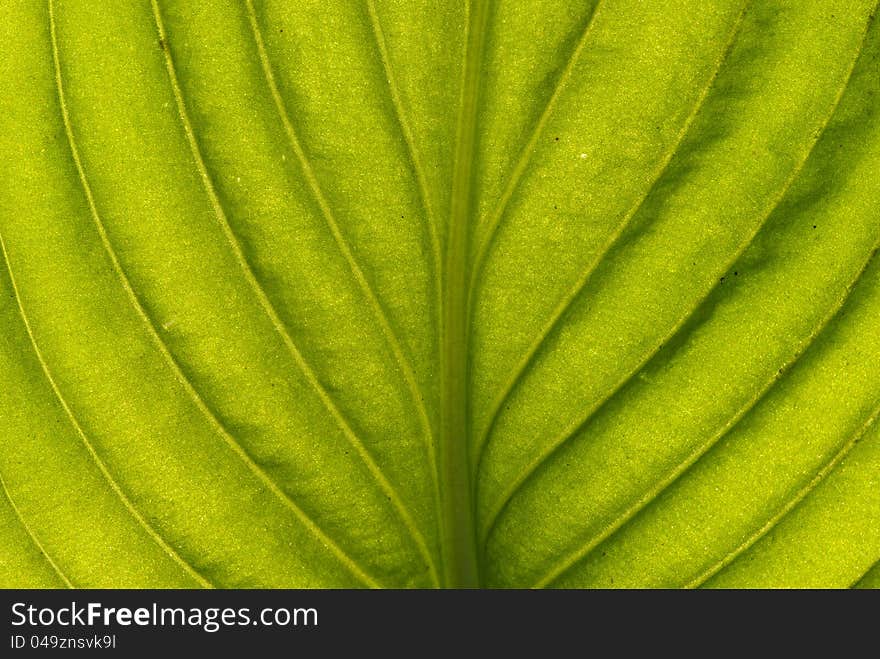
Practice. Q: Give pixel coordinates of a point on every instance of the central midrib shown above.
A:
(458, 529)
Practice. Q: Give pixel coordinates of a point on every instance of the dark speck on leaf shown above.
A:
(162, 44)
(814, 226)
(557, 139)
(722, 280)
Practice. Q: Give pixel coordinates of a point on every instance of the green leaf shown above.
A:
(415, 294)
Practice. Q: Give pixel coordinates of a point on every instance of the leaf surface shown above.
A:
(411, 294)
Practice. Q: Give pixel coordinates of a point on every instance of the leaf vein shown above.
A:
(33, 538)
(267, 481)
(703, 449)
(563, 306)
(858, 582)
(263, 298)
(458, 529)
(527, 153)
(407, 133)
(571, 431)
(114, 486)
(426, 198)
(791, 504)
(358, 274)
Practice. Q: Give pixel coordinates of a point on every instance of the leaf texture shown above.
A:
(408, 294)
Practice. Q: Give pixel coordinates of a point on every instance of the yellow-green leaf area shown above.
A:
(410, 294)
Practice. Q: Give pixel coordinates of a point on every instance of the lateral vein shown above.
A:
(162, 346)
(114, 486)
(263, 297)
(357, 272)
(32, 536)
(571, 431)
